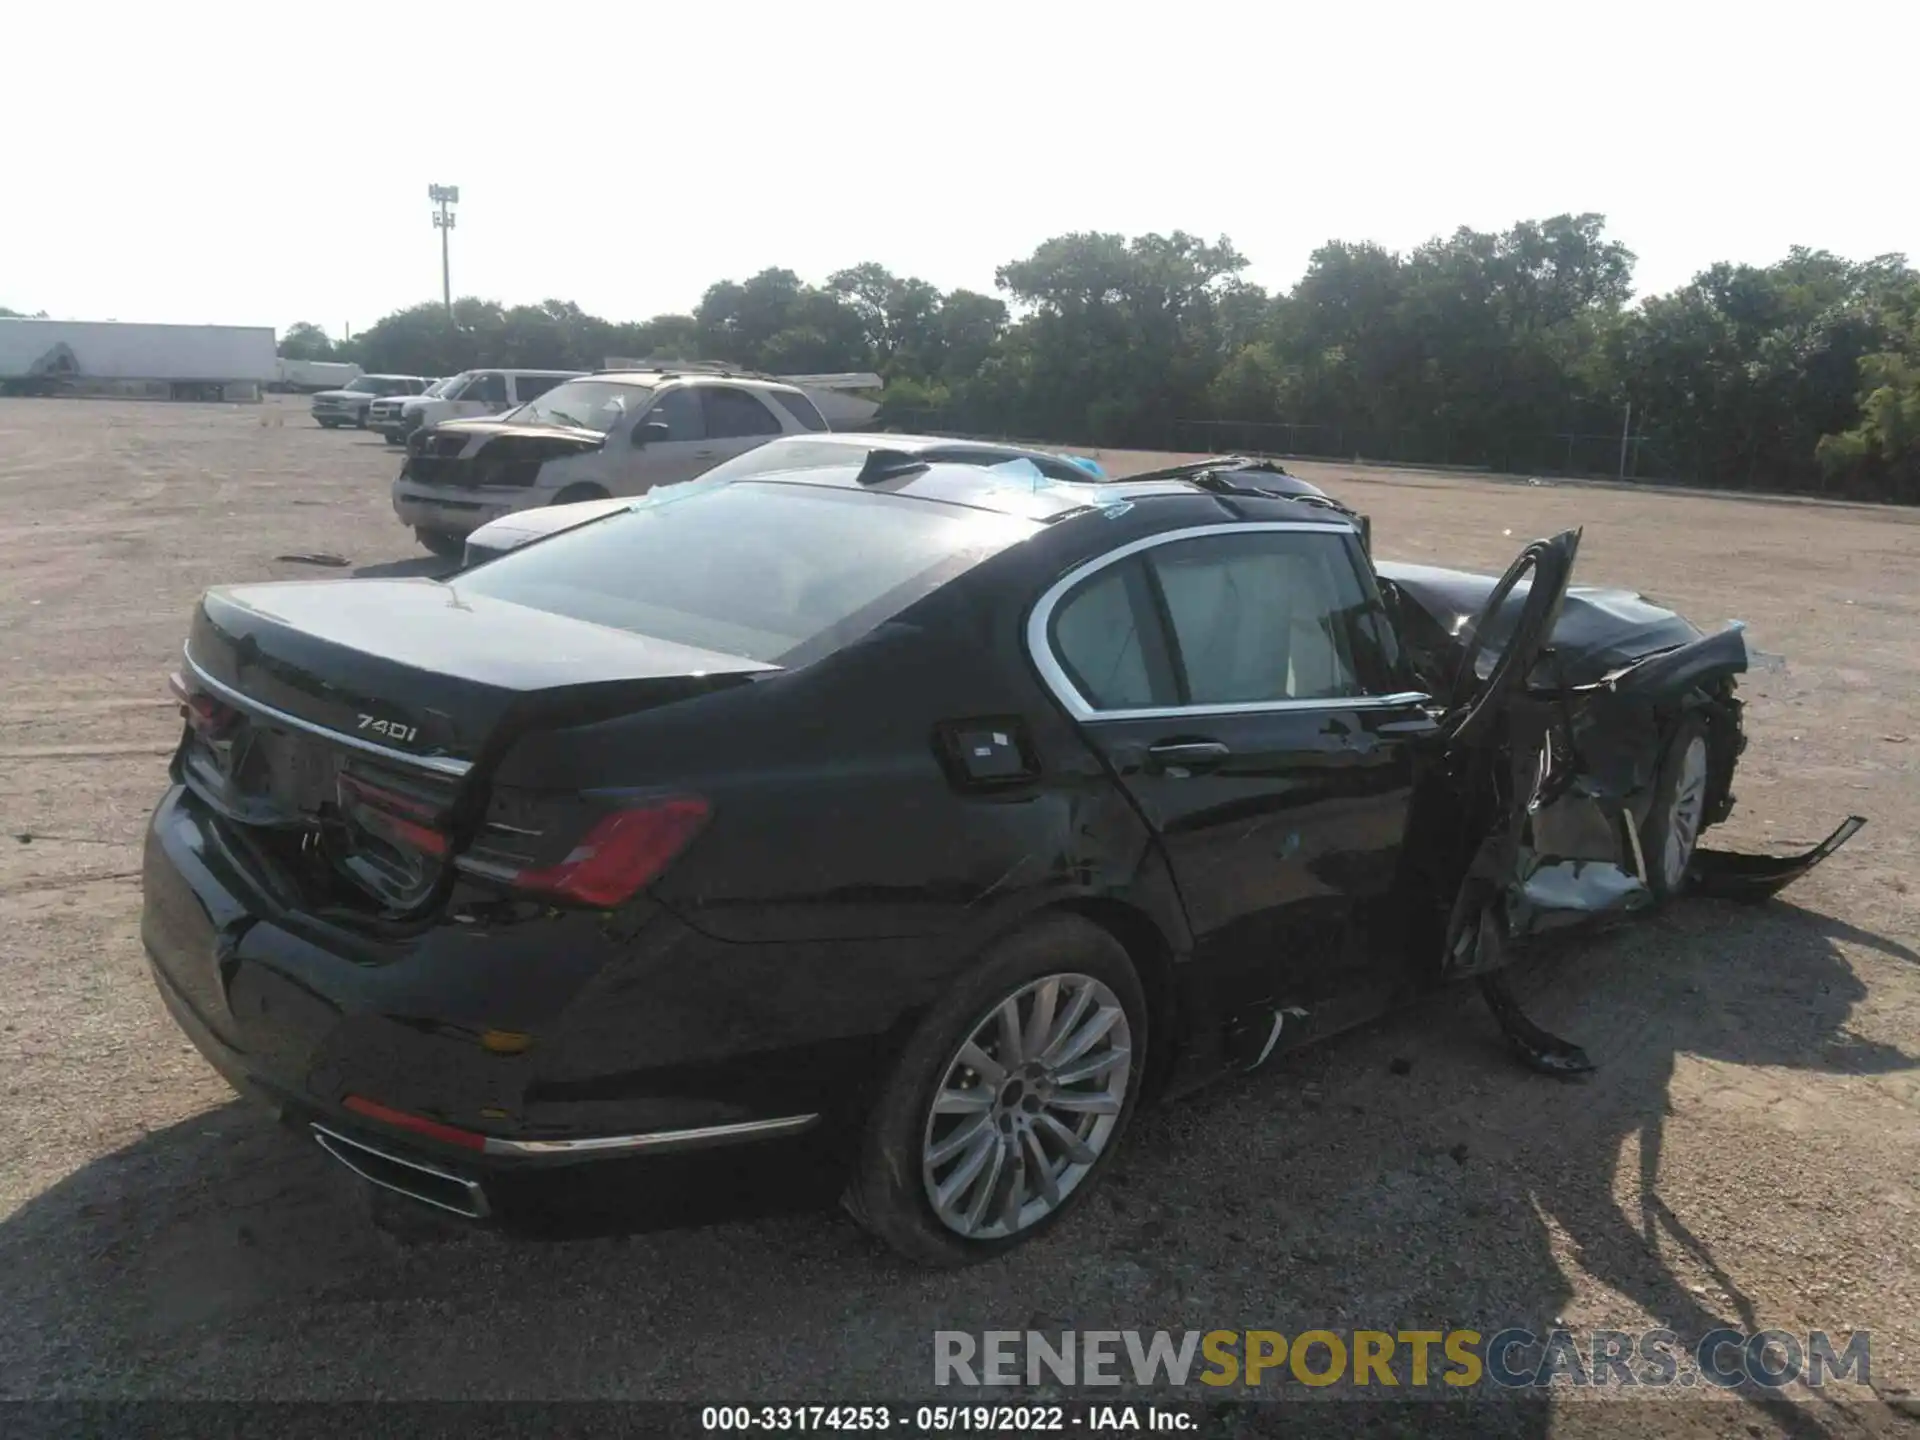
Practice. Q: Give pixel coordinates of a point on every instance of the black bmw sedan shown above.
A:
(914, 818)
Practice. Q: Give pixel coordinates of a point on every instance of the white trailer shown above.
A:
(314, 375)
(167, 362)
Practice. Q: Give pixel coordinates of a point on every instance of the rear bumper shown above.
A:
(506, 1057)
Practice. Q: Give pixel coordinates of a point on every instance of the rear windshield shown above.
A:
(782, 574)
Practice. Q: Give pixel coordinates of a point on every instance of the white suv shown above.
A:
(592, 437)
(463, 396)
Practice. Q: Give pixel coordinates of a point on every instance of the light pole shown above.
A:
(446, 197)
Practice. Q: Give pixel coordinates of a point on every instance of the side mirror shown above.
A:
(652, 431)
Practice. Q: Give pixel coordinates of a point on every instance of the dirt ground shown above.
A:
(1747, 1154)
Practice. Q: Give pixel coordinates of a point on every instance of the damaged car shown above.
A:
(898, 824)
(592, 437)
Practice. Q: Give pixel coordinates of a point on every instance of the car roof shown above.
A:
(1034, 497)
(653, 379)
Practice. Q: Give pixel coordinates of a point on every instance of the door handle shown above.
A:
(1181, 758)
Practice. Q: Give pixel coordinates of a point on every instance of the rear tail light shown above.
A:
(205, 714)
(400, 819)
(622, 852)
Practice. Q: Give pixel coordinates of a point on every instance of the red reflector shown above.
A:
(203, 712)
(423, 838)
(624, 852)
(433, 1129)
(389, 800)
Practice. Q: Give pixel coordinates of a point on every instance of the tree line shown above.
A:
(1522, 350)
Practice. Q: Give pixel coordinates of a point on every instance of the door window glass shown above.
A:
(1261, 616)
(492, 389)
(531, 387)
(679, 411)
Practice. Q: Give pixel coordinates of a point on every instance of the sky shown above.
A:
(270, 163)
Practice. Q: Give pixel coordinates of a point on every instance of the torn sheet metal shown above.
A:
(1726, 875)
(1537, 1048)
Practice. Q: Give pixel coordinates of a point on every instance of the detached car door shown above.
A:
(1239, 681)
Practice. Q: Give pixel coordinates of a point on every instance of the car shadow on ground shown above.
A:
(1406, 1176)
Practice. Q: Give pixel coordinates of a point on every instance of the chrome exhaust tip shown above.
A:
(415, 1179)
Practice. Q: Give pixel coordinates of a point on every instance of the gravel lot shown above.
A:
(1747, 1155)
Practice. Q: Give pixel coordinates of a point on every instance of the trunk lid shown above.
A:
(328, 708)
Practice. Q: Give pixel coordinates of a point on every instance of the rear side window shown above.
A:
(532, 387)
(734, 414)
(802, 409)
(1098, 642)
(1262, 616)
(781, 574)
(491, 389)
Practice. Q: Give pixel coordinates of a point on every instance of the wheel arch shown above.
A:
(1151, 952)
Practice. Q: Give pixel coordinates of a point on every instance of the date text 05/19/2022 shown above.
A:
(1086, 1418)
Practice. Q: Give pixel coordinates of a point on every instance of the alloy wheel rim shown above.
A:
(1026, 1106)
(1689, 804)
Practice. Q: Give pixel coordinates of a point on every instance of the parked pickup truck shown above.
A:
(350, 403)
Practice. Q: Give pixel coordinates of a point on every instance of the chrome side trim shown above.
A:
(1264, 707)
(1057, 680)
(656, 1140)
(439, 764)
(1273, 1037)
(343, 1150)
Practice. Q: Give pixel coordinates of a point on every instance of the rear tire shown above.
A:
(1079, 1051)
(442, 543)
(1674, 820)
(329, 424)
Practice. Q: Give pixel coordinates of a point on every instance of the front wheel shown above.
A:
(1671, 832)
(1010, 1097)
(440, 542)
(329, 424)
